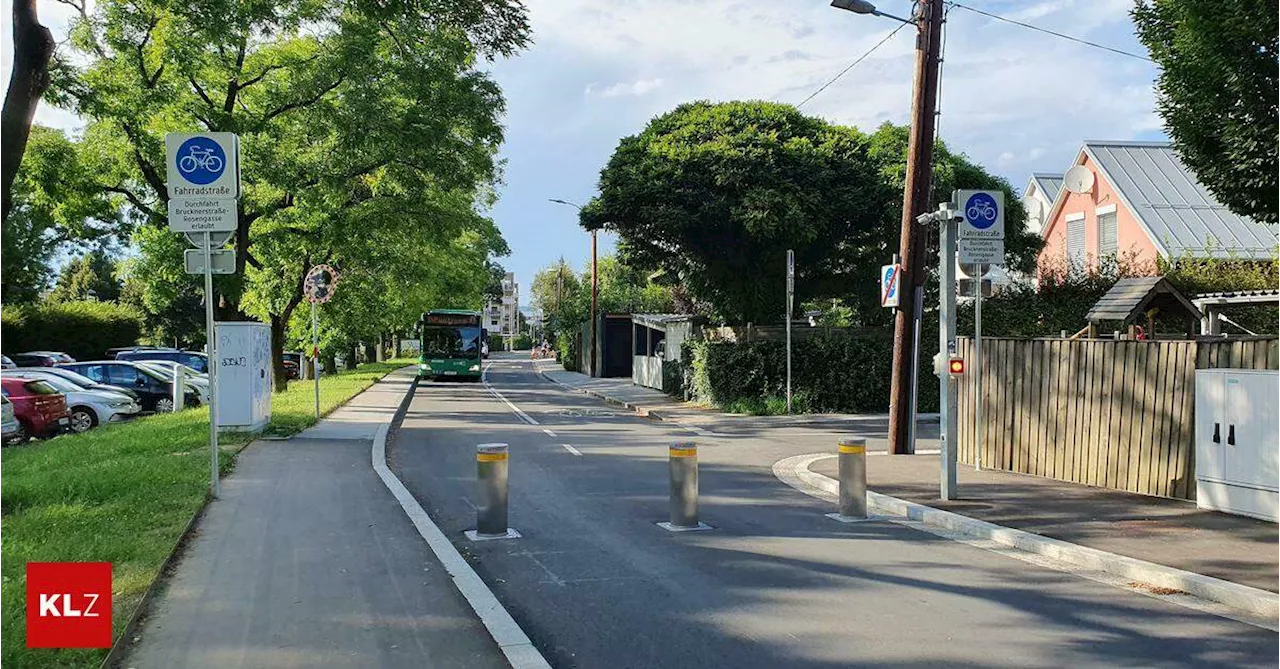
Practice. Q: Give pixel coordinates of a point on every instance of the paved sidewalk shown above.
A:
(307, 560)
(659, 405)
(1169, 532)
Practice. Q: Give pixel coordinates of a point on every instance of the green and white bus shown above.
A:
(452, 344)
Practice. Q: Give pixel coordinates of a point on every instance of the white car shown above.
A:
(194, 379)
(88, 408)
(9, 422)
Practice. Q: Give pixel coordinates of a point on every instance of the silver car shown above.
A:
(88, 408)
(10, 422)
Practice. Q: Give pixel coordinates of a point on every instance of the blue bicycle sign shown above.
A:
(201, 160)
(981, 211)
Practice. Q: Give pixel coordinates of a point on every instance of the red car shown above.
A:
(40, 409)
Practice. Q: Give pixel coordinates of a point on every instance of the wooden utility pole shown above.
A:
(924, 104)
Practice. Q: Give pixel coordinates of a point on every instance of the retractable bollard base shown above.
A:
(491, 479)
(853, 481)
(682, 460)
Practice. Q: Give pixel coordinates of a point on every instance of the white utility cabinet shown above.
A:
(244, 375)
(1238, 441)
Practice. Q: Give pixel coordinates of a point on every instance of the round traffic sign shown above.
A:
(981, 211)
(216, 239)
(201, 160)
(319, 284)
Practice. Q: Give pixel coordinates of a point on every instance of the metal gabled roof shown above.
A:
(1174, 208)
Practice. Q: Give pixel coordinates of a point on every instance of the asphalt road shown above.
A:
(596, 583)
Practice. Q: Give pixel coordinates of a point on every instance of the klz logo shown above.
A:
(68, 605)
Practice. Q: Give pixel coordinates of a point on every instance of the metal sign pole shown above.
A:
(977, 368)
(947, 405)
(211, 348)
(315, 355)
(791, 288)
(912, 410)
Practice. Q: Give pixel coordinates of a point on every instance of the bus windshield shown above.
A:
(451, 341)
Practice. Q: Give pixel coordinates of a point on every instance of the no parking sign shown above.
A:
(890, 277)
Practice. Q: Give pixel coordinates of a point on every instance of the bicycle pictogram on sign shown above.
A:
(981, 211)
(201, 160)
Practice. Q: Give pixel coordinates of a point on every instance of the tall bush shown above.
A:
(84, 330)
(834, 372)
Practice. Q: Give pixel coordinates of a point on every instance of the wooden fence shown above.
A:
(1114, 414)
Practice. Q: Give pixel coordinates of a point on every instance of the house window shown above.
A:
(1108, 234)
(1075, 238)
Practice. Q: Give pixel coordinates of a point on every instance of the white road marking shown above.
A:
(484, 378)
(514, 643)
(794, 471)
(549, 433)
(571, 449)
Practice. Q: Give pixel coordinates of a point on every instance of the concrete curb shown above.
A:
(1241, 597)
(505, 631)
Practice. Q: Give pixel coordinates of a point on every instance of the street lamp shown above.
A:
(594, 287)
(864, 7)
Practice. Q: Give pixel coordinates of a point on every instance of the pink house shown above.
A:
(1143, 203)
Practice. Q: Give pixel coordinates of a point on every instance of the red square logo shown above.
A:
(68, 605)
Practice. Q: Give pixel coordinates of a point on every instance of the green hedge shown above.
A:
(84, 330)
(831, 373)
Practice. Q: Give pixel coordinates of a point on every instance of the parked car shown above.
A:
(194, 379)
(193, 359)
(6, 363)
(155, 389)
(34, 359)
(113, 352)
(40, 409)
(58, 356)
(78, 379)
(89, 408)
(293, 362)
(8, 422)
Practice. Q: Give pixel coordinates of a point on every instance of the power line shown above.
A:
(851, 65)
(1055, 34)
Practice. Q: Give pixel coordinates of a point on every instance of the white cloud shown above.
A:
(621, 89)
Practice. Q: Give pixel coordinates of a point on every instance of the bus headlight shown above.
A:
(423, 366)
(475, 368)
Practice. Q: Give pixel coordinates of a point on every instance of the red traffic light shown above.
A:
(955, 366)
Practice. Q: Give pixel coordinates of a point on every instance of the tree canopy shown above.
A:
(1217, 93)
(368, 140)
(716, 193)
(713, 195)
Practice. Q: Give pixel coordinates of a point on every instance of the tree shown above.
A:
(1216, 92)
(562, 298)
(715, 194)
(352, 116)
(493, 289)
(33, 47)
(54, 202)
(89, 277)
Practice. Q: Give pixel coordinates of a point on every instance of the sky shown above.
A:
(1014, 100)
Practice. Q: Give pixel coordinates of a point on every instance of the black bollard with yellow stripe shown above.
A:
(853, 477)
(491, 475)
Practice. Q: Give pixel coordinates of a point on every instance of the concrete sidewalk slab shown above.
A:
(1164, 531)
(360, 418)
(306, 561)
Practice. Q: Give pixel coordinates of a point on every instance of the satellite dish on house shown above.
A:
(1078, 179)
(1033, 207)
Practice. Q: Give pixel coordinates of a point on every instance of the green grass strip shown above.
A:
(123, 494)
